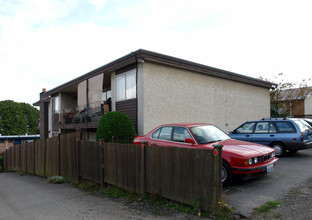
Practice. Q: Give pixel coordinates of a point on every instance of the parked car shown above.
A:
(308, 120)
(239, 158)
(282, 134)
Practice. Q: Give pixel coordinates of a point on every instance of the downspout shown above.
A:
(136, 87)
(87, 97)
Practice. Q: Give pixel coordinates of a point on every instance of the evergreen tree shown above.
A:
(18, 118)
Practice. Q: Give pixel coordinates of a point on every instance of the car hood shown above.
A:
(244, 148)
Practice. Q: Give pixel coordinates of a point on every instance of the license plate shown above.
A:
(270, 168)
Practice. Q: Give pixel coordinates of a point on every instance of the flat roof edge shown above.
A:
(163, 59)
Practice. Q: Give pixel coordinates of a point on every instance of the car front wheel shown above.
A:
(279, 148)
(227, 176)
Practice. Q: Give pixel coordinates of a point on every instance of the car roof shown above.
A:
(185, 124)
(271, 119)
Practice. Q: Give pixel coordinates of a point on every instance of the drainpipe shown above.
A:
(87, 97)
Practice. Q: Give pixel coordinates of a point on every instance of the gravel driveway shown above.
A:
(30, 197)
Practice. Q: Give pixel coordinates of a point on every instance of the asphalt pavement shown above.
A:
(290, 171)
(29, 197)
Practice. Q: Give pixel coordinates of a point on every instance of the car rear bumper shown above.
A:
(296, 145)
(262, 168)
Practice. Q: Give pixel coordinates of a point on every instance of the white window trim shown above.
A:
(125, 89)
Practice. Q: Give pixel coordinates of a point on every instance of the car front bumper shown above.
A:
(262, 168)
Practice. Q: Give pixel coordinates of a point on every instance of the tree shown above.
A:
(18, 118)
(287, 96)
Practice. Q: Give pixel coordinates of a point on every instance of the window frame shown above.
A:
(124, 76)
(288, 122)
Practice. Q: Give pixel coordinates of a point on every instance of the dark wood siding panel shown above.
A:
(125, 69)
(129, 107)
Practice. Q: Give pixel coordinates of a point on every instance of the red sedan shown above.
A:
(238, 157)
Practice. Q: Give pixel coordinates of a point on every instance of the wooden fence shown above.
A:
(184, 175)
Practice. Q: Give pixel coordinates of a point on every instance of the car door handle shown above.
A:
(154, 144)
(247, 135)
(272, 135)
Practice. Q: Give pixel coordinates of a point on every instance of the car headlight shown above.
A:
(256, 159)
(250, 161)
(273, 154)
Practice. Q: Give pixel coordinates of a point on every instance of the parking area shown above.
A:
(289, 172)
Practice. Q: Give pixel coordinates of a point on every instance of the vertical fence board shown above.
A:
(12, 158)
(23, 152)
(30, 152)
(52, 156)
(90, 163)
(18, 156)
(177, 174)
(40, 157)
(122, 166)
(69, 156)
(5, 160)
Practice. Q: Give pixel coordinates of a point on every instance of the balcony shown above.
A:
(80, 116)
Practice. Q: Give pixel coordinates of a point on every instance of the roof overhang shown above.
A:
(145, 55)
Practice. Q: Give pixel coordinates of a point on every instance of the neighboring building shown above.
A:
(8, 141)
(295, 102)
(153, 89)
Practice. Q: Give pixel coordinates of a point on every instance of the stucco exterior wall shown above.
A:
(172, 95)
(308, 105)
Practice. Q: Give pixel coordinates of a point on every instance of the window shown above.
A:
(106, 95)
(155, 135)
(265, 127)
(285, 127)
(180, 133)
(55, 105)
(246, 128)
(165, 133)
(126, 85)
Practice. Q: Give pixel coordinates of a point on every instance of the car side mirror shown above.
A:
(189, 141)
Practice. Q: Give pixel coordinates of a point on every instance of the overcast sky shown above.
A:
(45, 43)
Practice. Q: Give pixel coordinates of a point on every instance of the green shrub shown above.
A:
(117, 125)
(1, 159)
(56, 179)
(1, 168)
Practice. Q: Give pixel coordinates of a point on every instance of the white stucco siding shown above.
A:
(308, 105)
(172, 95)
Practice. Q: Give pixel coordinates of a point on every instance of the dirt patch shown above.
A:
(296, 204)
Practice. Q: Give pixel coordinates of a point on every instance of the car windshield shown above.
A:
(304, 126)
(208, 134)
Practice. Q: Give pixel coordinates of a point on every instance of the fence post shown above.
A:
(217, 178)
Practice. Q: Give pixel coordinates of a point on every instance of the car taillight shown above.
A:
(301, 136)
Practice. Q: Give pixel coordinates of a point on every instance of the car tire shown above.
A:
(280, 150)
(227, 176)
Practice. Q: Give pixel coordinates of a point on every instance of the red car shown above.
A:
(238, 157)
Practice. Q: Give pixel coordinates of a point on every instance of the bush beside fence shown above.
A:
(184, 175)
